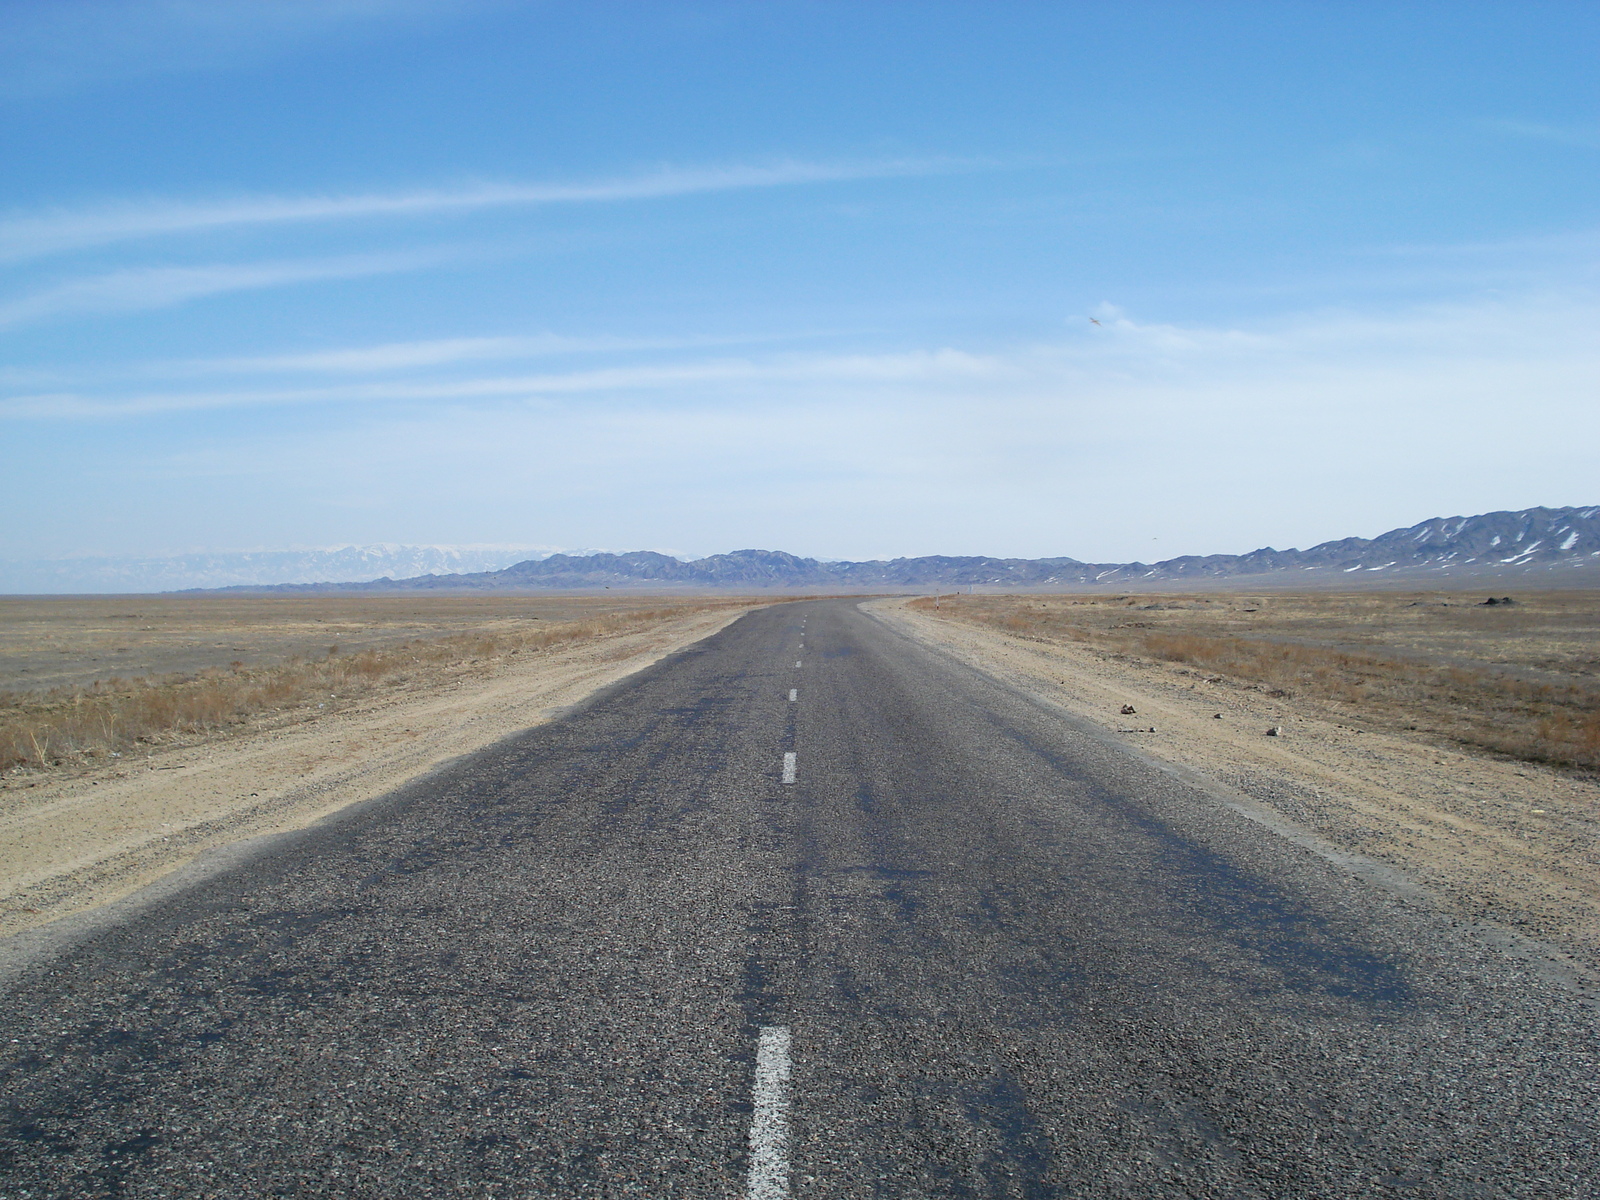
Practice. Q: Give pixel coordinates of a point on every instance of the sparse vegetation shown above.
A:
(1522, 681)
(117, 717)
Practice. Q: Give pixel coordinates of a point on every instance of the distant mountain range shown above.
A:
(1547, 541)
(1560, 542)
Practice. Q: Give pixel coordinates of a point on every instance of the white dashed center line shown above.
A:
(788, 767)
(794, 693)
(769, 1127)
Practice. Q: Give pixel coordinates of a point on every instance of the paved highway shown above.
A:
(971, 950)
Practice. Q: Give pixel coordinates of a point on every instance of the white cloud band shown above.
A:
(157, 287)
(38, 235)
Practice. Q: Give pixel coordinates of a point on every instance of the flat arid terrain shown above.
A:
(1452, 739)
(69, 641)
(138, 733)
(1456, 740)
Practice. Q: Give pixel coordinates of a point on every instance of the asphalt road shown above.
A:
(972, 950)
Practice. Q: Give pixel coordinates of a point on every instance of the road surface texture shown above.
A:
(972, 950)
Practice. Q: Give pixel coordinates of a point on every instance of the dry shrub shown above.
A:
(115, 717)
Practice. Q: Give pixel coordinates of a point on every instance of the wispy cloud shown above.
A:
(159, 287)
(40, 234)
(437, 352)
(925, 367)
(387, 357)
(1446, 344)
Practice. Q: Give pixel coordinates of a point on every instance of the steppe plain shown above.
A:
(66, 641)
(1454, 741)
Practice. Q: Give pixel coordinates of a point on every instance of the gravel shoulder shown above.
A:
(1503, 843)
(70, 844)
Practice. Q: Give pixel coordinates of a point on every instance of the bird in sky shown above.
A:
(1096, 322)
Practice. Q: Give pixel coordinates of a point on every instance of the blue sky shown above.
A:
(809, 276)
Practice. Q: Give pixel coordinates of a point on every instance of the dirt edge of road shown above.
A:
(68, 845)
(1501, 844)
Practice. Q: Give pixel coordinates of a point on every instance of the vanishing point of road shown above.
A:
(806, 910)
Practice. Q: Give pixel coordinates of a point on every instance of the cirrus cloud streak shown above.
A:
(142, 288)
(40, 234)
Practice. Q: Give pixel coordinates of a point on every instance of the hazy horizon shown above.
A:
(1566, 533)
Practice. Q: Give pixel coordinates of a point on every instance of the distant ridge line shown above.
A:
(1498, 543)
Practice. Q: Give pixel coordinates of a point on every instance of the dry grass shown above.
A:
(70, 641)
(77, 725)
(1521, 682)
